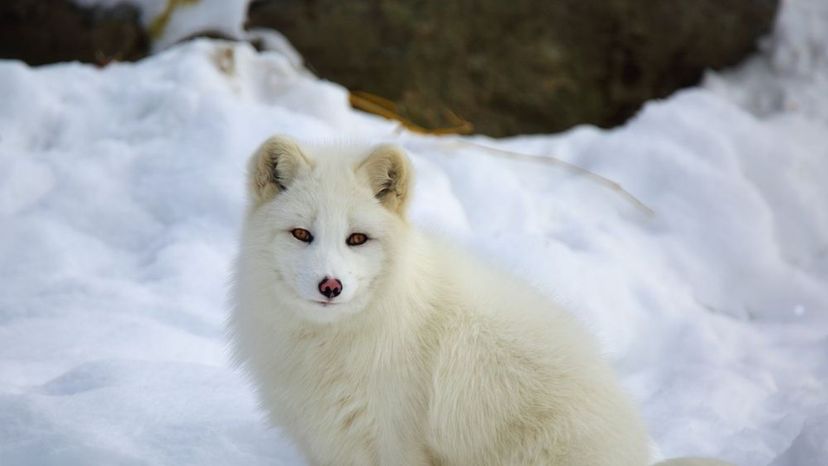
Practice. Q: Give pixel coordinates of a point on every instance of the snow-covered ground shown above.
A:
(121, 191)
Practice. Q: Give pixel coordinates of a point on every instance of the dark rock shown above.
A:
(47, 31)
(517, 66)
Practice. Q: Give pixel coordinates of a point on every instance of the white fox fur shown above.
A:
(427, 356)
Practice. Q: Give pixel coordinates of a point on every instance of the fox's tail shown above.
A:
(692, 462)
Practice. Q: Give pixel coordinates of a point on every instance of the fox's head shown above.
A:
(325, 222)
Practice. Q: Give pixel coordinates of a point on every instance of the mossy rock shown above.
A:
(48, 31)
(518, 66)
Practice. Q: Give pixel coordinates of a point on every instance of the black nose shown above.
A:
(330, 287)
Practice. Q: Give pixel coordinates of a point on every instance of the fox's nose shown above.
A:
(330, 287)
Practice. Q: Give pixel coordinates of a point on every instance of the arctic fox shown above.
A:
(372, 344)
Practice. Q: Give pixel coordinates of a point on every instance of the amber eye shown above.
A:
(302, 235)
(356, 239)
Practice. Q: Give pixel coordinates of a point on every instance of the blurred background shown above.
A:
(487, 66)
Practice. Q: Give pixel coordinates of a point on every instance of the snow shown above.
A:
(187, 18)
(120, 202)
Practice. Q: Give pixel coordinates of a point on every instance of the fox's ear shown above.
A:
(273, 167)
(388, 173)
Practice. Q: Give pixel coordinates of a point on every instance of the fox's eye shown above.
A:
(356, 239)
(302, 235)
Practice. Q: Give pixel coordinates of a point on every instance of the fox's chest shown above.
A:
(338, 424)
(345, 409)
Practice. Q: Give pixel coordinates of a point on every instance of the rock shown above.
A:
(518, 66)
(47, 31)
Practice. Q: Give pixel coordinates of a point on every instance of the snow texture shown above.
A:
(121, 194)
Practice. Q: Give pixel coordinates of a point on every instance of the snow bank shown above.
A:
(121, 194)
(187, 17)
